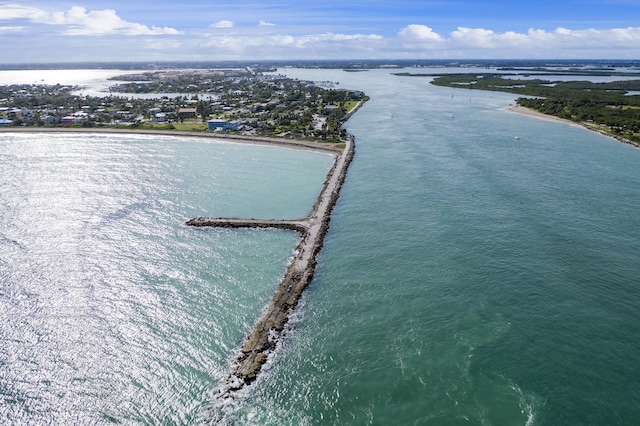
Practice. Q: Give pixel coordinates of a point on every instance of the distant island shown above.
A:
(236, 101)
(611, 108)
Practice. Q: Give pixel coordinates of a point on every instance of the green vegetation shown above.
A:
(150, 126)
(350, 105)
(190, 127)
(183, 127)
(604, 106)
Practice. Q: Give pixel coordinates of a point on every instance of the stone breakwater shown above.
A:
(268, 331)
(292, 225)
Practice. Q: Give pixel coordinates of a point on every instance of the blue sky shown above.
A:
(142, 30)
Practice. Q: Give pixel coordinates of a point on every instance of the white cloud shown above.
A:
(474, 37)
(7, 29)
(79, 21)
(416, 32)
(331, 38)
(162, 44)
(558, 30)
(240, 44)
(335, 45)
(31, 26)
(276, 46)
(14, 11)
(222, 24)
(624, 38)
(421, 39)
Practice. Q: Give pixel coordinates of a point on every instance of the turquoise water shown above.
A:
(468, 277)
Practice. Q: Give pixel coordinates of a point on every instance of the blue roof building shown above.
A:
(222, 125)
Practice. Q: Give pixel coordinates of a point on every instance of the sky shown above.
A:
(214, 30)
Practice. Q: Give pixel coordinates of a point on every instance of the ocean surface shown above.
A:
(481, 269)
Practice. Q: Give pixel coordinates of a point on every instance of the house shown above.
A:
(17, 113)
(50, 119)
(223, 125)
(68, 120)
(188, 113)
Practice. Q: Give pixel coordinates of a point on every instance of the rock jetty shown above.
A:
(262, 341)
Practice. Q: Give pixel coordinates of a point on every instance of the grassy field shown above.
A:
(191, 127)
(184, 127)
(349, 105)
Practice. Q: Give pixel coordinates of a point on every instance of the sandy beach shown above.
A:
(247, 139)
(527, 111)
(334, 148)
(532, 113)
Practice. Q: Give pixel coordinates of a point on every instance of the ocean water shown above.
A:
(481, 269)
(469, 277)
(111, 309)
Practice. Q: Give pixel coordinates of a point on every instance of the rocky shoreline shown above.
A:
(291, 225)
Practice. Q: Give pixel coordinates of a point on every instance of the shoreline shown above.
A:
(244, 139)
(518, 109)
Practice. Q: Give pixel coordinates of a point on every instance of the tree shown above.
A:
(203, 109)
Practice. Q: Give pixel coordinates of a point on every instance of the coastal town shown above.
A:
(240, 101)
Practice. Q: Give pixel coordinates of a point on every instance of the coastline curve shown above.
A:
(262, 341)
